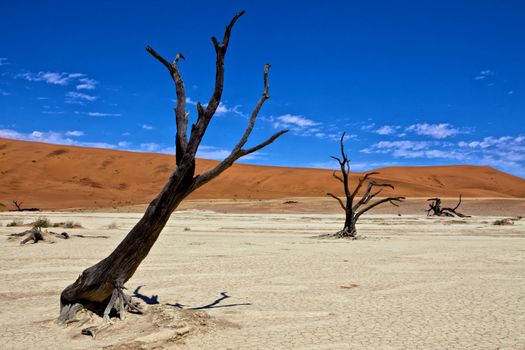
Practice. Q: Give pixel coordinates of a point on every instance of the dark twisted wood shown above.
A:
(99, 287)
(354, 211)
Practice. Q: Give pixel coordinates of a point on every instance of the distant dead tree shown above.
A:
(437, 210)
(354, 211)
(100, 288)
(18, 206)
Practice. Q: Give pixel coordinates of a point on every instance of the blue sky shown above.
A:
(411, 82)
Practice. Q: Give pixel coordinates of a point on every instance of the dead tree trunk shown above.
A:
(100, 287)
(354, 211)
(437, 210)
(18, 205)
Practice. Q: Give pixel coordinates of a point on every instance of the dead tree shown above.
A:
(437, 210)
(100, 288)
(18, 205)
(354, 211)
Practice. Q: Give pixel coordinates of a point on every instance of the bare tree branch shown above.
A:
(375, 204)
(338, 199)
(352, 211)
(204, 116)
(337, 177)
(181, 116)
(361, 181)
(238, 151)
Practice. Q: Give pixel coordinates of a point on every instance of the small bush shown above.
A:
(42, 222)
(503, 222)
(15, 223)
(187, 229)
(71, 224)
(113, 226)
(56, 224)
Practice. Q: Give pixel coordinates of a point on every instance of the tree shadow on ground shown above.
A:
(154, 299)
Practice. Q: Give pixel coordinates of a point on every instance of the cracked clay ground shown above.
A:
(412, 283)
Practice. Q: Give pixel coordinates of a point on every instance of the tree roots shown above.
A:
(119, 304)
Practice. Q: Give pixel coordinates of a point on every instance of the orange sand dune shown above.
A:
(57, 177)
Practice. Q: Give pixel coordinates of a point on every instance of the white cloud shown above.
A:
(4, 93)
(54, 78)
(367, 127)
(386, 130)
(54, 137)
(98, 145)
(124, 144)
(413, 149)
(79, 98)
(86, 84)
(149, 147)
(188, 101)
(147, 127)
(3, 61)
(290, 120)
(81, 81)
(75, 133)
(99, 114)
(437, 131)
(510, 92)
(484, 74)
(222, 109)
(211, 152)
(216, 153)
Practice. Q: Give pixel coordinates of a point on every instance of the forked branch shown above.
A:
(373, 189)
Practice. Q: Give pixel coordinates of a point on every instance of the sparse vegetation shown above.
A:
(503, 222)
(67, 224)
(71, 224)
(42, 222)
(113, 226)
(15, 223)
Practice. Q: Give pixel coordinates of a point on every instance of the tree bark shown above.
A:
(354, 211)
(100, 287)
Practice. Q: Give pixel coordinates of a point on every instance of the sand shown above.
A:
(412, 283)
(52, 177)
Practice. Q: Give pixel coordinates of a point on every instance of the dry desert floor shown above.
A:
(265, 281)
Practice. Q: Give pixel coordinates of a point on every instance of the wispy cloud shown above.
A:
(365, 166)
(86, 84)
(387, 130)
(295, 121)
(75, 133)
(80, 80)
(504, 152)
(55, 137)
(54, 78)
(4, 93)
(484, 74)
(413, 149)
(437, 131)
(221, 110)
(99, 114)
(79, 98)
(4, 61)
(147, 127)
(217, 153)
